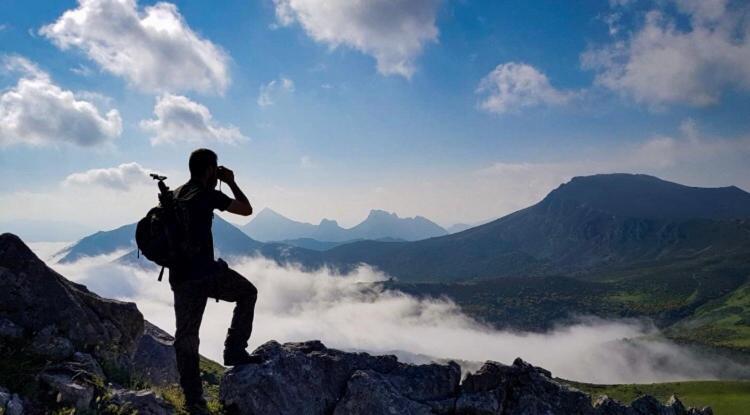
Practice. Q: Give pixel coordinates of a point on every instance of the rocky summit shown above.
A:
(308, 378)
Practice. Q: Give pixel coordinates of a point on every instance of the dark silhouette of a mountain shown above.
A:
(588, 223)
(269, 225)
(100, 243)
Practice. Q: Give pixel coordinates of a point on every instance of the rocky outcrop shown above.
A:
(61, 316)
(154, 360)
(309, 378)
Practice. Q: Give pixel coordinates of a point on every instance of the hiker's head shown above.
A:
(203, 164)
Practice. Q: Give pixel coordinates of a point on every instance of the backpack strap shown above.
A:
(161, 273)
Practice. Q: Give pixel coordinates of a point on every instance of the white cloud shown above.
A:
(178, 119)
(271, 91)
(394, 32)
(122, 177)
(37, 112)
(350, 313)
(661, 63)
(512, 86)
(154, 48)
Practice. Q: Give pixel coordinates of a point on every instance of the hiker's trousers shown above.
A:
(190, 300)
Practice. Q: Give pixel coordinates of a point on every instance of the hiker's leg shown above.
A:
(233, 287)
(189, 305)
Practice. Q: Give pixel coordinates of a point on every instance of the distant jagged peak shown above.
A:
(374, 213)
(384, 214)
(328, 223)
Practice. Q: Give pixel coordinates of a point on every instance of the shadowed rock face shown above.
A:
(154, 360)
(308, 378)
(62, 316)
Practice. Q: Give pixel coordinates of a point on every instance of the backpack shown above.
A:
(158, 234)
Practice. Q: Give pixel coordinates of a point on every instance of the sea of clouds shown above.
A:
(349, 312)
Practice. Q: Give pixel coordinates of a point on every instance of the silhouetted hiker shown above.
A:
(199, 276)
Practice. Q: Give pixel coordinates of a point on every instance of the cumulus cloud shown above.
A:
(153, 49)
(37, 112)
(178, 119)
(270, 91)
(122, 177)
(394, 32)
(352, 313)
(512, 86)
(662, 63)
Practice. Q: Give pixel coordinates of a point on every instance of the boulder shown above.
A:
(35, 297)
(154, 360)
(68, 391)
(312, 379)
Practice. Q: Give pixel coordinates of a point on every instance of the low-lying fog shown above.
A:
(347, 312)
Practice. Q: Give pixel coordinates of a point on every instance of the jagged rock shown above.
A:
(45, 343)
(606, 405)
(35, 297)
(68, 391)
(154, 360)
(677, 407)
(310, 378)
(9, 329)
(143, 402)
(87, 363)
(369, 392)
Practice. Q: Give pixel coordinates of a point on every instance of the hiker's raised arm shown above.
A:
(240, 205)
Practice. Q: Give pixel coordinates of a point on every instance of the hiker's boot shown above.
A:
(234, 350)
(240, 357)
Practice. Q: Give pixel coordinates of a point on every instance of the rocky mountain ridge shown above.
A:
(269, 225)
(64, 347)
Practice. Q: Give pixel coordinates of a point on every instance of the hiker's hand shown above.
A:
(225, 175)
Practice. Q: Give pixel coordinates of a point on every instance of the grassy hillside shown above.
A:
(699, 300)
(723, 322)
(724, 397)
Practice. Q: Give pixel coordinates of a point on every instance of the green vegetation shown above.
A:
(211, 373)
(724, 397)
(697, 300)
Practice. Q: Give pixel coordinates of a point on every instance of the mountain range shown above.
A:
(614, 245)
(269, 225)
(590, 222)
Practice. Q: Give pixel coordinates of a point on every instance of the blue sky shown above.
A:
(455, 110)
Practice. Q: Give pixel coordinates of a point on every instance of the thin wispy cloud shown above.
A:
(270, 92)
